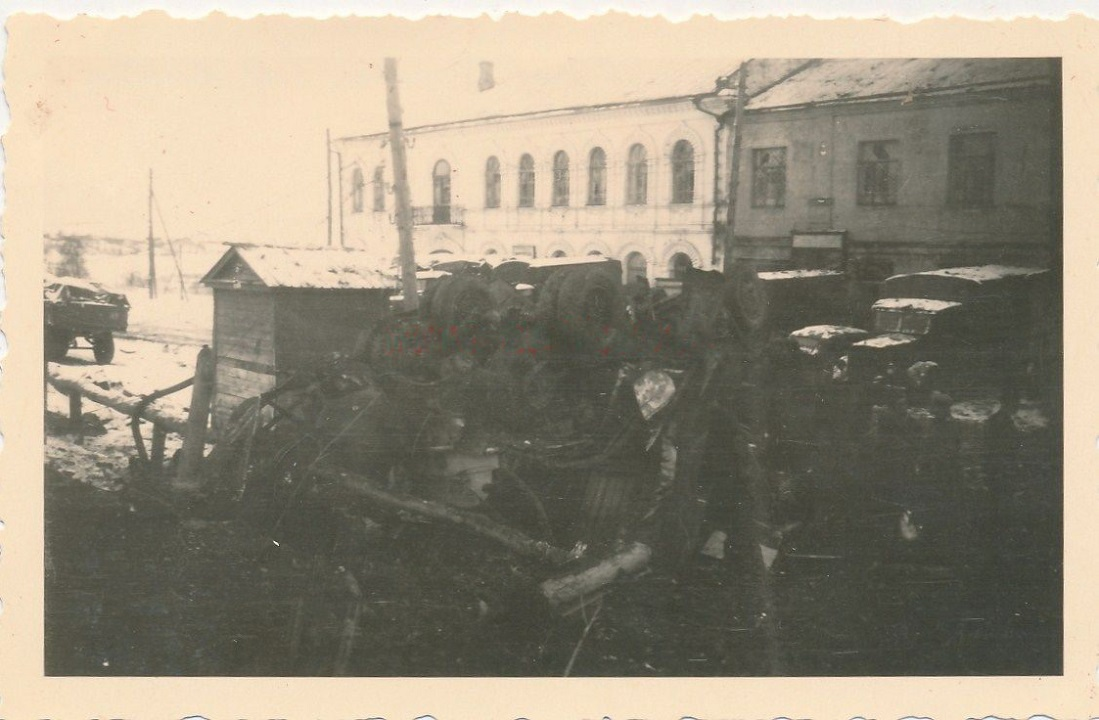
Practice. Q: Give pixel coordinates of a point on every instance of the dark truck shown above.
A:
(982, 325)
(76, 308)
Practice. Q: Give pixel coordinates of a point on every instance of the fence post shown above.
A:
(194, 440)
(156, 453)
(76, 410)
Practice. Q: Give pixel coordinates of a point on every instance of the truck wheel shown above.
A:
(103, 348)
(746, 298)
(57, 344)
(590, 305)
(460, 299)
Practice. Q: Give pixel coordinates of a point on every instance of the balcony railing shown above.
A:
(438, 215)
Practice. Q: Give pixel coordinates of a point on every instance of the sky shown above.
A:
(230, 114)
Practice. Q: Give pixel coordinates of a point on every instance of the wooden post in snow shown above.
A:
(194, 438)
(733, 147)
(400, 188)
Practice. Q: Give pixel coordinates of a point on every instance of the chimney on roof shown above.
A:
(487, 81)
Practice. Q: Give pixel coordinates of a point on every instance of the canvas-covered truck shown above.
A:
(76, 308)
(980, 324)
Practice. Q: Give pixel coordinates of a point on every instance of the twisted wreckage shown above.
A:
(599, 429)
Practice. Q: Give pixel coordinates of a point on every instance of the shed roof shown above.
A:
(285, 267)
(863, 79)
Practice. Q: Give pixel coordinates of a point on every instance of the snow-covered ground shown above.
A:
(100, 452)
(171, 318)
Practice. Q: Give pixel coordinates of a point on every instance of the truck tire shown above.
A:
(57, 344)
(460, 299)
(589, 306)
(746, 298)
(103, 348)
(545, 306)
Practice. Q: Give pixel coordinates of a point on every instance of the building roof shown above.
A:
(583, 84)
(285, 267)
(577, 84)
(828, 81)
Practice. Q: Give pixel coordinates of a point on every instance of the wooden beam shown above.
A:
(342, 484)
(126, 404)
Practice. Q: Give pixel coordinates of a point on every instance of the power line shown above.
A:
(172, 248)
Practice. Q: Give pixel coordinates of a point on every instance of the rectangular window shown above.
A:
(878, 172)
(769, 177)
(971, 173)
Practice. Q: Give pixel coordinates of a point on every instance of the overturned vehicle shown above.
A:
(545, 411)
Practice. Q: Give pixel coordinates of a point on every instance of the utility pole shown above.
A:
(400, 183)
(339, 187)
(152, 242)
(328, 156)
(733, 149)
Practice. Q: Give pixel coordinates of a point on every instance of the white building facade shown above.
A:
(633, 182)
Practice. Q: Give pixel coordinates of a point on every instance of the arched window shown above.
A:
(526, 181)
(440, 214)
(492, 182)
(595, 253)
(637, 176)
(597, 177)
(357, 185)
(683, 172)
(636, 267)
(561, 179)
(679, 264)
(557, 253)
(379, 189)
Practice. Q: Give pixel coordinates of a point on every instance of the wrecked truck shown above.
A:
(555, 424)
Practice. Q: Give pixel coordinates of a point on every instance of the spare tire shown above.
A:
(746, 298)
(589, 305)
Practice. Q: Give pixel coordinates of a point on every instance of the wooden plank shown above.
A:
(229, 362)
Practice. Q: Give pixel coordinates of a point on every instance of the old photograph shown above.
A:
(428, 351)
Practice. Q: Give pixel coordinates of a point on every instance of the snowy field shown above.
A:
(172, 319)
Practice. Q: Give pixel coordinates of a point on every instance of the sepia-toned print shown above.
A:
(671, 364)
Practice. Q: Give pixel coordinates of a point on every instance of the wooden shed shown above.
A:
(279, 309)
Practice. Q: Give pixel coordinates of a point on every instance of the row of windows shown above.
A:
(637, 179)
(971, 163)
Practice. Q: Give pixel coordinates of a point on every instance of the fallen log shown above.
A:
(128, 404)
(342, 484)
(569, 592)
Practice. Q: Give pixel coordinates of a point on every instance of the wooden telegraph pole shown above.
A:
(328, 156)
(400, 181)
(152, 242)
(733, 149)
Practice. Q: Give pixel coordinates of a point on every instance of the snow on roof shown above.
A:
(984, 273)
(569, 260)
(791, 274)
(888, 340)
(577, 83)
(914, 304)
(851, 79)
(322, 268)
(826, 332)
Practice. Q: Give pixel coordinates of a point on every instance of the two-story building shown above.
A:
(582, 160)
(915, 163)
